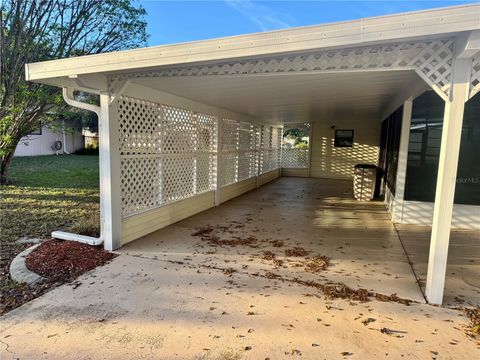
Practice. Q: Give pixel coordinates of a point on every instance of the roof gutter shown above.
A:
(67, 93)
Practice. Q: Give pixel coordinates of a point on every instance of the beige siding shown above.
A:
(267, 177)
(142, 224)
(335, 162)
(230, 191)
(295, 172)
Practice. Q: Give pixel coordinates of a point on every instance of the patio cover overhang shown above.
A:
(362, 68)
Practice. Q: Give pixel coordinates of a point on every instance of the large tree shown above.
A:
(38, 30)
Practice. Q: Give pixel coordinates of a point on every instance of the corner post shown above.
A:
(109, 158)
(402, 161)
(446, 180)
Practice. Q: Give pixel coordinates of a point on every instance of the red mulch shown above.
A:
(63, 261)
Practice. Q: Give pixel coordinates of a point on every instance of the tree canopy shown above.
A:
(38, 30)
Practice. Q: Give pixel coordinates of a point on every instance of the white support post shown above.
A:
(259, 155)
(218, 180)
(310, 147)
(109, 154)
(402, 161)
(446, 179)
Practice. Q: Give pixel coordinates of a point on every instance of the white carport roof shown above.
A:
(284, 98)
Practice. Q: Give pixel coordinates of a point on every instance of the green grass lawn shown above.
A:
(47, 193)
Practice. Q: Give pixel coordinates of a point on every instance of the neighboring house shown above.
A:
(42, 141)
(186, 127)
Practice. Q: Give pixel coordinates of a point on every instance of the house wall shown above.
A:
(138, 224)
(34, 145)
(328, 161)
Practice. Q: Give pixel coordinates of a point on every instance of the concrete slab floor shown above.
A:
(462, 283)
(318, 215)
(169, 295)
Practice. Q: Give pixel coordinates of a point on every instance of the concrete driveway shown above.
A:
(173, 295)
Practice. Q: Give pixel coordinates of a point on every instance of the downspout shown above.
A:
(64, 140)
(70, 100)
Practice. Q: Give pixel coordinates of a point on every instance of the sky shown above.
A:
(182, 21)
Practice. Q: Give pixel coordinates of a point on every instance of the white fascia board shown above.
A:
(381, 29)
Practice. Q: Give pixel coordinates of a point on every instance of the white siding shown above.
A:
(33, 145)
(231, 191)
(139, 225)
(269, 176)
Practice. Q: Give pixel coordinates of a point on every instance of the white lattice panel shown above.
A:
(240, 151)
(178, 130)
(475, 78)
(140, 183)
(270, 151)
(295, 158)
(229, 146)
(229, 168)
(206, 147)
(167, 154)
(139, 128)
(432, 59)
(247, 160)
(178, 178)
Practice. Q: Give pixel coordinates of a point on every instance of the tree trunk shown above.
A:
(4, 167)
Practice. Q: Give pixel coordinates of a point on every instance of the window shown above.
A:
(343, 138)
(389, 147)
(424, 150)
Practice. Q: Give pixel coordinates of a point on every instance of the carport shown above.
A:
(187, 127)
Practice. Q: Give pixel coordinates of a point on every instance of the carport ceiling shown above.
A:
(291, 97)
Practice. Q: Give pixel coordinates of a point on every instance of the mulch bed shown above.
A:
(63, 261)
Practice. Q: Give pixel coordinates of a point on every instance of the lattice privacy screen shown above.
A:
(293, 154)
(239, 151)
(166, 154)
(270, 149)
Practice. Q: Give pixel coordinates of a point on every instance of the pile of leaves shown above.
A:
(296, 252)
(473, 330)
(63, 261)
(317, 264)
(210, 235)
(342, 291)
